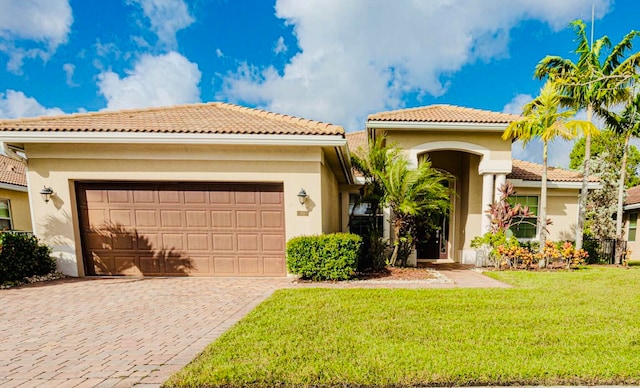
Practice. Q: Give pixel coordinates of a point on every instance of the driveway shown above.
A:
(110, 332)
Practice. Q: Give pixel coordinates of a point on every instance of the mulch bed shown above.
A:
(396, 273)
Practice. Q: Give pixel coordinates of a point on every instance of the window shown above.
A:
(5, 215)
(361, 221)
(528, 227)
(633, 225)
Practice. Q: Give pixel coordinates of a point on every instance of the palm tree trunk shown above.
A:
(582, 203)
(623, 171)
(396, 243)
(542, 206)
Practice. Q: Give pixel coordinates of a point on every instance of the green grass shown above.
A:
(580, 327)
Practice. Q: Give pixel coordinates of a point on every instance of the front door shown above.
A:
(435, 247)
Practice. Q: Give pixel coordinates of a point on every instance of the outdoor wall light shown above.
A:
(46, 193)
(302, 196)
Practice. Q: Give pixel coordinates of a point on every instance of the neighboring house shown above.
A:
(630, 221)
(14, 196)
(217, 189)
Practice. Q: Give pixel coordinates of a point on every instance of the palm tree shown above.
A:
(544, 119)
(411, 194)
(626, 123)
(591, 83)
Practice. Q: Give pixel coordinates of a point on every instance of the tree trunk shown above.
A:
(623, 171)
(582, 203)
(542, 206)
(396, 244)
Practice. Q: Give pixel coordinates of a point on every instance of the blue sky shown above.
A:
(329, 60)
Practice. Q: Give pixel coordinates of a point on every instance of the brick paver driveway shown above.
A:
(116, 332)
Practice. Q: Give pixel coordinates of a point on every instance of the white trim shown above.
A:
(10, 186)
(172, 138)
(436, 126)
(554, 184)
(633, 206)
(488, 166)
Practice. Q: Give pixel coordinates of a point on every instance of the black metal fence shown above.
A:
(605, 251)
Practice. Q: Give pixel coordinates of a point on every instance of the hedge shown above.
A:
(324, 257)
(22, 256)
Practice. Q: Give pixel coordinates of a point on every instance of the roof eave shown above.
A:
(170, 138)
(436, 126)
(632, 206)
(555, 184)
(13, 187)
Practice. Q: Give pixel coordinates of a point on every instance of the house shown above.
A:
(630, 221)
(14, 198)
(217, 189)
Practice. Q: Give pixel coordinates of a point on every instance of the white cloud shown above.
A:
(14, 104)
(515, 105)
(219, 53)
(364, 55)
(154, 81)
(69, 69)
(167, 17)
(280, 47)
(46, 23)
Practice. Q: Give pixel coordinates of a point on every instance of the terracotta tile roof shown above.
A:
(208, 118)
(528, 171)
(633, 196)
(12, 172)
(356, 140)
(444, 114)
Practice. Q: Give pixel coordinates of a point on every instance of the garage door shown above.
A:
(182, 229)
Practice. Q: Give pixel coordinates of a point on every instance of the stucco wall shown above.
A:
(633, 246)
(60, 165)
(562, 209)
(330, 201)
(20, 212)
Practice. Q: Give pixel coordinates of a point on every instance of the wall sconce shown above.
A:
(302, 196)
(46, 193)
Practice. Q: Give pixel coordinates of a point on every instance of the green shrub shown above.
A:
(22, 256)
(324, 257)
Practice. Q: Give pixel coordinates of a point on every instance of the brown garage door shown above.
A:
(182, 229)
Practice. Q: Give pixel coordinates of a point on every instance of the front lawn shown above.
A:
(580, 327)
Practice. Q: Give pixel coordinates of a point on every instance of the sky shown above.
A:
(330, 60)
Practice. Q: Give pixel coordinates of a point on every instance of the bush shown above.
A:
(324, 257)
(22, 256)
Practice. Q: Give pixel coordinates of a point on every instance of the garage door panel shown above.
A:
(223, 243)
(173, 242)
(195, 197)
(172, 219)
(169, 197)
(123, 241)
(249, 265)
(248, 242)
(198, 242)
(122, 217)
(246, 219)
(271, 219)
(245, 198)
(151, 265)
(148, 241)
(225, 265)
(144, 196)
(118, 196)
(222, 219)
(190, 229)
(196, 218)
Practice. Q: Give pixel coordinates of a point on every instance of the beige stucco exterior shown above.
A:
(633, 245)
(19, 208)
(562, 209)
(59, 166)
